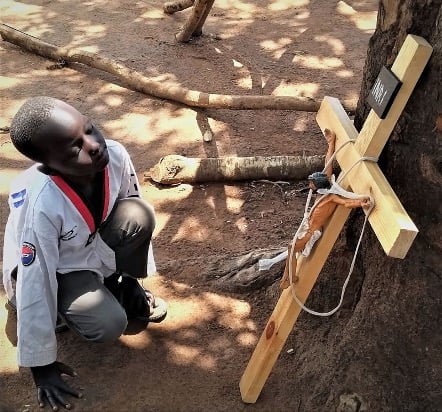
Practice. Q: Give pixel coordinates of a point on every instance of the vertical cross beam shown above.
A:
(389, 220)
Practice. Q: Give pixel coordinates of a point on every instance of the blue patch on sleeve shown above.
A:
(18, 198)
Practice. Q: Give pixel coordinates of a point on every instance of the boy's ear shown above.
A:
(39, 146)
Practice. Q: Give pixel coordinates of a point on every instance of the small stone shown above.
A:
(208, 136)
(351, 403)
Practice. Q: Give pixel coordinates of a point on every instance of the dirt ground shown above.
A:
(193, 361)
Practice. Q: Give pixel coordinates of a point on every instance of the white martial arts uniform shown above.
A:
(49, 230)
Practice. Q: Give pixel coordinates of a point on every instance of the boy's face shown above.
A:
(73, 146)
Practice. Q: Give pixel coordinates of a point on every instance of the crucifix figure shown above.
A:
(311, 227)
(389, 220)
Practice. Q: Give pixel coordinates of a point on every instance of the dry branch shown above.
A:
(195, 22)
(199, 28)
(175, 169)
(161, 89)
(172, 7)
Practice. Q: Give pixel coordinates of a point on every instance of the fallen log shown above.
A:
(173, 169)
(159, 88)
(172, 7)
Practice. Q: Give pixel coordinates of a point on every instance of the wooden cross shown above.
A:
(390, 222)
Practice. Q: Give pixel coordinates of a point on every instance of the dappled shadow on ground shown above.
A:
(194, 360)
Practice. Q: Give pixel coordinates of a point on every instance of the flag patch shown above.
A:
(18, 198)
(27, 253)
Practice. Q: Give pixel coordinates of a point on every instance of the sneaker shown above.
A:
(158, 309)
(132, 293)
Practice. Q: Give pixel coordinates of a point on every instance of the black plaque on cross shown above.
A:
(383, 92)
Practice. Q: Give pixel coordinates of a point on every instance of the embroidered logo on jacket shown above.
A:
(27, 253)
(70, 234)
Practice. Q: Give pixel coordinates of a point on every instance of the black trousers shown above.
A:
(86, 304)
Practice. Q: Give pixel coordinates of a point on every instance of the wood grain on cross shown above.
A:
(389, 220)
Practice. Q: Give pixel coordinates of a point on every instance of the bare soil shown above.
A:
(193, 361)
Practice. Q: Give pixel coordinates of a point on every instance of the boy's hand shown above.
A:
(50, 385)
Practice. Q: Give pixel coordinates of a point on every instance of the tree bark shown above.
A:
(164, 90)
(386, 353)
(172, 7)
(175, 169)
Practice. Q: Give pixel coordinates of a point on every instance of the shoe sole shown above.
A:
(159, 312)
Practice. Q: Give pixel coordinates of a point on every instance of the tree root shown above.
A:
(241, 273)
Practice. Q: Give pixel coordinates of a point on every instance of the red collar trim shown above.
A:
(106, 194)
(79, 204)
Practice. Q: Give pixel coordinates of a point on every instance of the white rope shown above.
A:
(369, 158)
(266, 264)
(307, 214)
(324, 314)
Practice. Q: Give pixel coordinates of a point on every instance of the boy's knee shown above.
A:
(109, 328)
(138, 212)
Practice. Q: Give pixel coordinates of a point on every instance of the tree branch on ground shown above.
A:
(195, 22)
(160, 88)
(172, 7)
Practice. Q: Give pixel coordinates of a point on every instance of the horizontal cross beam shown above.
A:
(389, 220)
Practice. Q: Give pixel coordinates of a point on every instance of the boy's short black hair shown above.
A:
(28, 123)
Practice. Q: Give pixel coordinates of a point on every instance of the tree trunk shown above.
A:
(384, 353)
